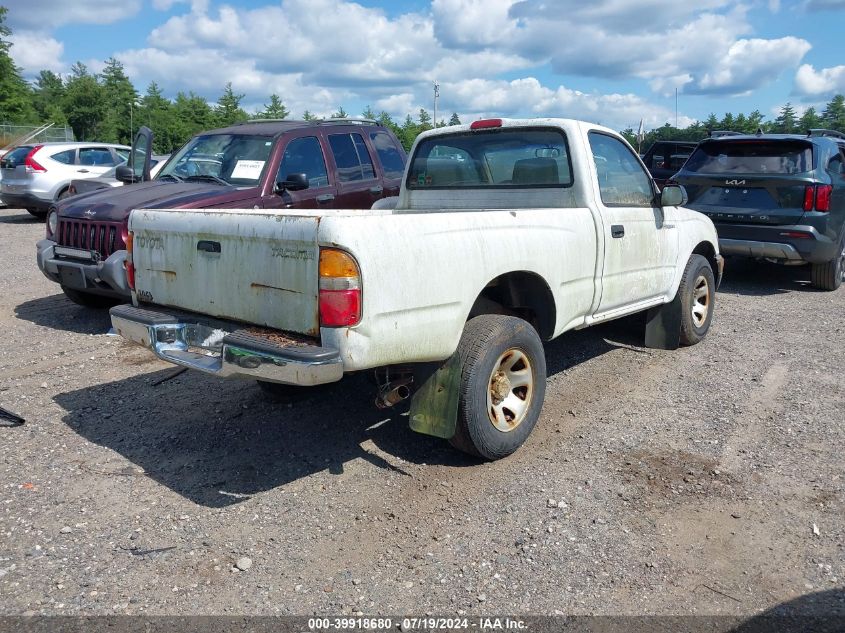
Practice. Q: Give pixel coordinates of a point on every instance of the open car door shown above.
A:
(137, 168)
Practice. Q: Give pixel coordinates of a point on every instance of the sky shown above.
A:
(613, 62)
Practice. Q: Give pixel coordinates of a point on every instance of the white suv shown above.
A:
(36, 175)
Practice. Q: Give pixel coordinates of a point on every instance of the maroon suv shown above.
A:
(258, 164)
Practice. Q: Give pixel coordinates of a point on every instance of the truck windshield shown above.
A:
(501, 157)
(230, 159)
(751, 157)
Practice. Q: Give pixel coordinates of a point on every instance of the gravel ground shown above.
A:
(708, 480)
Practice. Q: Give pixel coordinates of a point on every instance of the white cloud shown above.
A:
(825, 82)
(49, 14)
(752, 63)
(35, 51)
(528, 97)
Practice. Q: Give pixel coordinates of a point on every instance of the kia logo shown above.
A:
(736, 183)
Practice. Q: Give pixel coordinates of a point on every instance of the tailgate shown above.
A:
(254, 266)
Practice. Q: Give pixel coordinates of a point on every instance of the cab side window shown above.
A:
(304, 156)
(352, 158)
(622, 180)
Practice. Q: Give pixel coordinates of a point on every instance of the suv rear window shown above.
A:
(516, 157)
(15, 157)
(751, 157)
(391, 160)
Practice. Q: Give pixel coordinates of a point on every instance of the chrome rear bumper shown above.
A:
(208, 346)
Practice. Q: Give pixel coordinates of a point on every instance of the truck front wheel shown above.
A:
(698, 296)
(503, 383)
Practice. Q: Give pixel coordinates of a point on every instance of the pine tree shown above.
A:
(48, 96)
(785, 121)
(15, 93)
(157, 113)
(228, 110)
(834, 114)
(192, 114)
(809, 120)
(120, 98)
(340, 114)
(424, 119)
(308, 116)
(274, 110)
(83, 103)
(455, 119)
(368, 113)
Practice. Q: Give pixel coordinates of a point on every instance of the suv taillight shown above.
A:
(818, 197)
(340, 289)
(823, 197)
(32, 166)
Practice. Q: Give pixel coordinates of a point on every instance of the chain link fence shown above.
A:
(10, 133)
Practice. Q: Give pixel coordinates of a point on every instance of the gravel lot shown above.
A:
(703, 481)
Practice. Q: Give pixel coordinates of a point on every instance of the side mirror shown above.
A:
(125, 174)
(673, 196)
(293, 182)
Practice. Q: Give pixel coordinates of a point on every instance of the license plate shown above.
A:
(75, 253)
(72, 277)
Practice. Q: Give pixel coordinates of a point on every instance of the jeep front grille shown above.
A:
(103, 237)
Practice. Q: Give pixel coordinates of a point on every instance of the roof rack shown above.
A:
(823, 132)
(345, 121)
(720, 133)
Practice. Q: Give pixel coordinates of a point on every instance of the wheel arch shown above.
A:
(520, 293)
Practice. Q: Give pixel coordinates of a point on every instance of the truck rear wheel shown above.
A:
(698, 297)
(503, 383)
(829, 275)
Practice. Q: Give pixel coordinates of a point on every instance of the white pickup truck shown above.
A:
(506, 233)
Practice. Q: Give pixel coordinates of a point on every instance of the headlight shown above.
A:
(52, 222)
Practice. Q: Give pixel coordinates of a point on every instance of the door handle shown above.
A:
(326, 197)
(617, 230)
(668, 226)
(82, 171)
(377, 191)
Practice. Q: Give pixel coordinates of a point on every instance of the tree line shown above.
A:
(787, 122)
(106, 107)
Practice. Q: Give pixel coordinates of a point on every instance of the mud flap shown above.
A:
(663, 325)
(434, 406)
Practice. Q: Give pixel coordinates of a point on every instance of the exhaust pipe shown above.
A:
(394, 392)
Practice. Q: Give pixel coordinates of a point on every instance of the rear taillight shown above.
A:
(818, 197)
(809, 197)
(482, 124)
(823, 197)
(130, 267)
(340, 289)
(32, 166)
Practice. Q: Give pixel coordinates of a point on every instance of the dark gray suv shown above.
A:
(774, 196)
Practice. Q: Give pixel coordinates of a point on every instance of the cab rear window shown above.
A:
(503, 158)
(751, 157)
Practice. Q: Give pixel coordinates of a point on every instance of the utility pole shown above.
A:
(436, 96)
(676, 108)
(131, 126)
